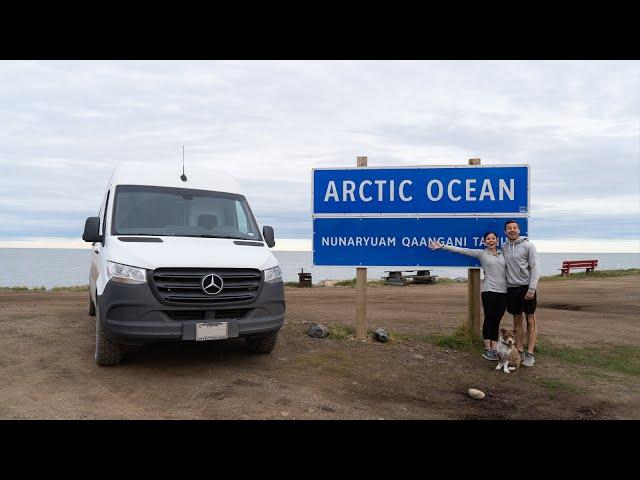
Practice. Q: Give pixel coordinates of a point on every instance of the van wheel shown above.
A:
(262, 343)
(92, 307)
(107, 352)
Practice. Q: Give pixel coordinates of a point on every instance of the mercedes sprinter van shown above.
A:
(182, 258)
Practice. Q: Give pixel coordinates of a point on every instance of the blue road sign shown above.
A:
(349, 241)
(424, 190)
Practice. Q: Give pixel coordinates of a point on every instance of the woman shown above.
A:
(494, 287)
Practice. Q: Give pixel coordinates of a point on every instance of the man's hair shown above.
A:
(510, 221)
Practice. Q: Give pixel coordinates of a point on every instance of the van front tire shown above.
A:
(107, 352)
(262, 343)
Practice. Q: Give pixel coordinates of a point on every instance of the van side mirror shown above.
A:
(267, 233)
(92, 230)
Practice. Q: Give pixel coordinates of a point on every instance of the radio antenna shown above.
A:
(183, 177)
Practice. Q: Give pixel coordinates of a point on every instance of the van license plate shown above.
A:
(211, 331)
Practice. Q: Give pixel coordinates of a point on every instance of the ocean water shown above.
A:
(52, 267)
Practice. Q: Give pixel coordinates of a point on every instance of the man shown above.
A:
(523, 274)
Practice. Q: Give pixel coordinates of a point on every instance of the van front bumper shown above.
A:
(132, 315)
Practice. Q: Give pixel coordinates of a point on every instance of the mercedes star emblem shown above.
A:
(211, 284)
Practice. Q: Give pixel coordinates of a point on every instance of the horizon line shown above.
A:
(566, 245)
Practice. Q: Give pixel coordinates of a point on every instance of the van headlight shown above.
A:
(273, 275)
(126, 274)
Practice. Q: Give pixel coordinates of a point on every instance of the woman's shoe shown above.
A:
(490, 355)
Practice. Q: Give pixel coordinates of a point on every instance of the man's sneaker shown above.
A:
(522, 356)
(528, 360)
(490, 355)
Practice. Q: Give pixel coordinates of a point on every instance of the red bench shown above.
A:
(567, 265)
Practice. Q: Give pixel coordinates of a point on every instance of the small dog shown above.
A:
(507, 353)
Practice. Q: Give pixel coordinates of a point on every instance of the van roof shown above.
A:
(198, 177)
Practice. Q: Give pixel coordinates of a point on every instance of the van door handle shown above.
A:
(96, 251)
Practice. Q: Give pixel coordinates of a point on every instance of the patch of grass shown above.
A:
(352, 283)
(346, 283)
(346, 332)
(445, 281)
(74, 288)
(623, 359)
(292, 284)
(555, 384)
(595, 274)
(462, 339)
(341, 332)
(400, 337)
(22, 289)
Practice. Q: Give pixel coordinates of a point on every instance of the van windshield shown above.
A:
(166, 211)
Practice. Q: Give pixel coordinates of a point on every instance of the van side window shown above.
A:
(104, 214)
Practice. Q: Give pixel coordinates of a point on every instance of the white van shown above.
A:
(180, 257)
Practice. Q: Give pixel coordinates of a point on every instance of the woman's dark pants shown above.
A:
(494, 305)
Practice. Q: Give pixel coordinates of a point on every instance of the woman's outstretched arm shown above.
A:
(471, 252)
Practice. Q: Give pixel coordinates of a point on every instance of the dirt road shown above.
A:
(47, 368)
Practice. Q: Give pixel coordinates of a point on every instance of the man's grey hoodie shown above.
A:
(521, 258)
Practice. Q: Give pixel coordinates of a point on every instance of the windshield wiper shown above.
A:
(216, 236)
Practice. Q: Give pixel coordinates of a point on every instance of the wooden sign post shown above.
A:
(361, 287)
(473, 323)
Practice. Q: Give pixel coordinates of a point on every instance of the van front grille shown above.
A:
(213, 315)
(183, 285)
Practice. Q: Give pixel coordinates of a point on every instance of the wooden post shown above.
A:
(361, 303)
(361, 287)
(473, 323)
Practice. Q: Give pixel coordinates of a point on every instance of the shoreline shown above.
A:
(633, 250)
(333, 283)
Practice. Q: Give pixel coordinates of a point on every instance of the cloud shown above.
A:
(65, 125)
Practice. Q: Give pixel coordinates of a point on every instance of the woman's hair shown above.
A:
(484, 237)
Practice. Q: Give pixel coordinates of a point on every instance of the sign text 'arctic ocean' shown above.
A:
(426, 190)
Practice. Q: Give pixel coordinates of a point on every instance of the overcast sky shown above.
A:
(64, 126)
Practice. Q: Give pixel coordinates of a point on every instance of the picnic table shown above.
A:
(396, 277)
